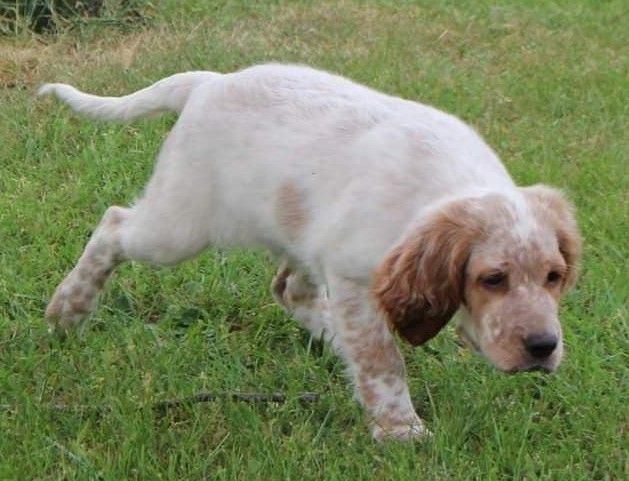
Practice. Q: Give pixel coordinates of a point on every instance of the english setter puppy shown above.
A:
(389, 216)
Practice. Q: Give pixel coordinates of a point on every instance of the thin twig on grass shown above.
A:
(161, 407)
(251, 398)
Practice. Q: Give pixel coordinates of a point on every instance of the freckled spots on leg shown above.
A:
(352, 310)
(367, 391)
(377, 366)
(98, 265)
(390, 380)
(99, 251)
(53, 309)
(76, 291)
(355, 352)
(85, 272)
(377, 355)
(99, 281)
(351, 325)
(386, 354)
(79, 306)
(399, 391)
(115, 216)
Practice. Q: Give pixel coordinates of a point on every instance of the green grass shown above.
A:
(545, 83)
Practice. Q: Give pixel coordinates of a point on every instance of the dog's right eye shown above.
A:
(494, 281)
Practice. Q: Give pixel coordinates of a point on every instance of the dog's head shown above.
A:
(503, 263)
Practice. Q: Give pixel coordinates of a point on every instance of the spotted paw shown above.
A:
(401, 432)
(73, 300)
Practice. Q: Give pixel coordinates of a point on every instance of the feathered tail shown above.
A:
(169, 94)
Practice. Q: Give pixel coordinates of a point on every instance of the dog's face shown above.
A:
(510, 300)
(505, 270)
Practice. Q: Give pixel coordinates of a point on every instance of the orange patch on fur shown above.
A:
(290, 209)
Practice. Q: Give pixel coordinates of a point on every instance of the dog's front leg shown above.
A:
(376, 365)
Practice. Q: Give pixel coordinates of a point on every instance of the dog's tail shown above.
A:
(169, 94)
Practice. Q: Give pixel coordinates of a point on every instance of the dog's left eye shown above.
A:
(553, 277)
(495, 281)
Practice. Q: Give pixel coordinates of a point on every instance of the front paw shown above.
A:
(71, 303)
(386, 430)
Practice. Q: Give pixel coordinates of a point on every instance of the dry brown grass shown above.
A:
(297, 31)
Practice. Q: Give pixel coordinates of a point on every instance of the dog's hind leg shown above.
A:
(137, 233)
(76, 296)
(169, 224)
(303, 299)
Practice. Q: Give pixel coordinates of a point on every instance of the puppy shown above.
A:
(390, 216)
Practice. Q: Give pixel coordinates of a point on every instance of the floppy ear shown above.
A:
(419, 286)
(555, 209)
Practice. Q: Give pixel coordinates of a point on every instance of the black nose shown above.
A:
(540, 345)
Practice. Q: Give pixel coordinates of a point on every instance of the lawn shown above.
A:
(546, 84)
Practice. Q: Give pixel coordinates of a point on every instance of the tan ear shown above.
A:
(555, 209)
(419, 286)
